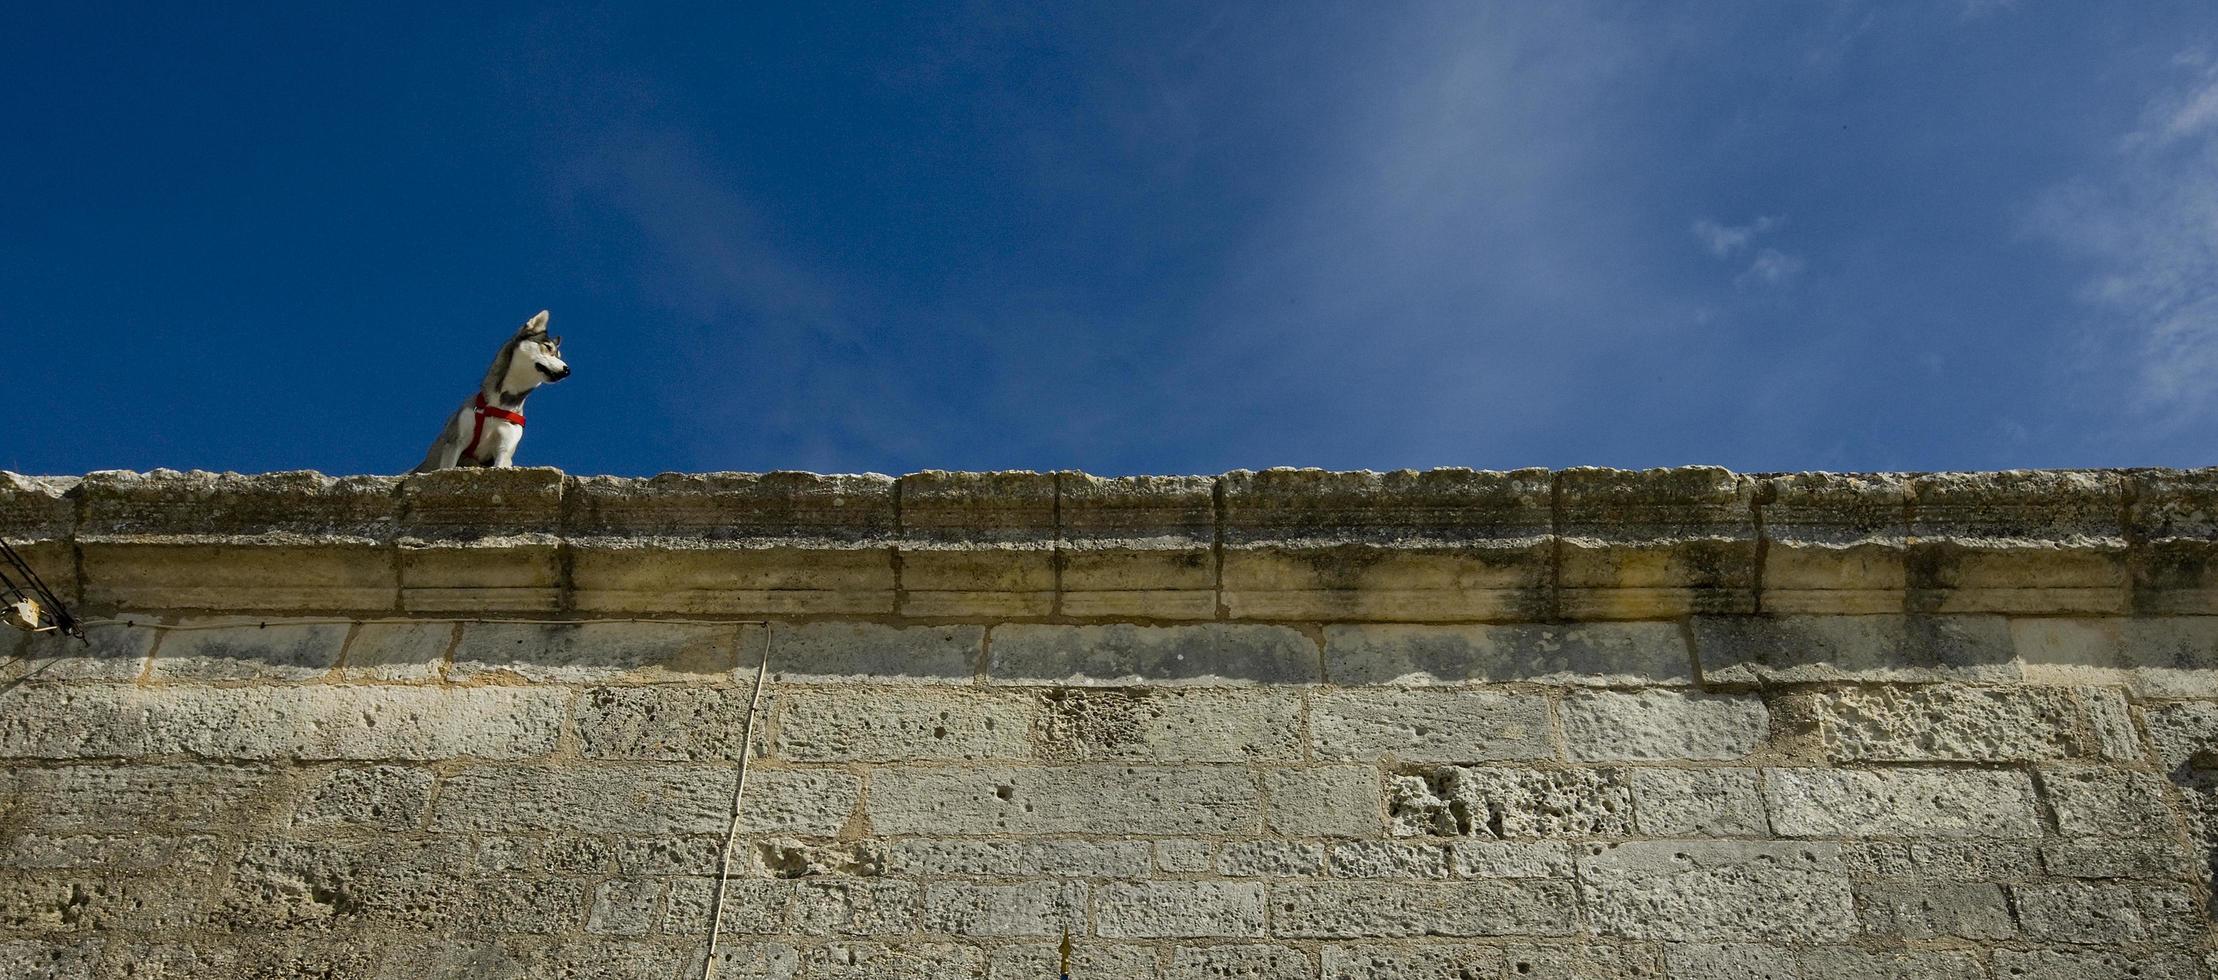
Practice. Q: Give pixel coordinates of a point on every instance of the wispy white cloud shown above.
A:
(2148, 233)
(1771, 267)
(1723, 240)
(1767, 268)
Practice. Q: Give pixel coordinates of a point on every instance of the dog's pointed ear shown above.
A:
(536, 326)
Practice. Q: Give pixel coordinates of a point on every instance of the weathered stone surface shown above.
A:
(1940, 860)
(2104, 912)
(1038, 908)
(2118, 858)
(1138, 546)
(1952, 724)
(1271, 859)
(2095, 964)
(1084, 799)
(65, 722)
(1654, 544)
(1497, 802)
(869, 653)
(1264, 962)
(1169, 725)
(1511, 859)
(662, 723)
(2109, 803)
(1124, 654)
(1429, 726)
(391, 798)
(2184, 735)
(1597, 654)
(894, 725)
(1018, 858)
(1160, 909)
(1391, 859)
(241, 649)
(1361, 909)
(644, 798)
(1899, 803)
(1699, 802)
(1182, 857)
(1326, 801)
(2046, 541)
(1799, 649)
(398, 652)
(1714, 890)
(1610, 726)
(1933, 911)
(598, 653)
(109, 652)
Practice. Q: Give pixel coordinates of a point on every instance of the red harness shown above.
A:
(477, 431)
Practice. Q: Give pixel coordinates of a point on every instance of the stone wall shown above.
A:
(1289, 724)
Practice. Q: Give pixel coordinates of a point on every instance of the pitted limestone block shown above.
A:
(670, 855)
(107, 653)
(751, 907)
(1819, 649)
(1388, 909)
(2109, 717)
(477, 540)
(1122, 654)
(38, 958)
(1900, 803)
(1182, 857)
(1063, 800)
(2184, 735)
(1262, 962)
(1173, 909)
(49, 902)
(977, 544)
(1088, 959)
(2119, 858)
(279, 884)
(397, 652)
(1699, 802)
(1583, 960)
(1391, 859)
(1854, 963)
(624, 907)
(586, 958)
(186, 854)
(599, 653)
(868, 653)
(1951, 724)
(1505, 803)
(898, 725)
(786, 858)
(902, 961)
(864, 907)
(806, 802)
(1018, 859)
(1168, 725)
(1271, 859)
(1138, 546)
(1447, 544)
(2109, 912)
(387, 798)
(2031, 541)
(536, 906)
(2109, 803)
(1836, 543)
(1429, 961)
(248, 649)
(1326, 801)
(662, 723)
(1655, 544)
(1717, 890)
(2095, 964)
(2174, 521)
(143, 798)
(76, 721)
(1429, 725)
(2161, 657)
(1594, 654)
(637, 797)
(1611, 726)
(1511, 859)
(732, 543)
(1032, 908)
(1934, 911)
(1940, 860)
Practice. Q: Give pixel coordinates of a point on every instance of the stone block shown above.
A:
(1429, 726)
(305, 723)
(2184, 735)
(2039, 541)
(901, 961)
(2109, 803)
(1078, 799)
(2095, 964)
(32, 959)
(1123, 654)
(1391, 859)
(1839, 803)
(1591, 654)
(787, 858)
(896, 725)
(2118, 858)
(806, 802)
(2109, 719)
(624, 907)
(398, 652)
(1956, 910)
(1655, 544)
(1611, 726)
(1882, 649)
(535, 906)
(1271, 859)
(1446, 544)
(1717, 891)
(1854, 963)
(640, 797)
(1169, 725)
(1140, 547)
(977, 544)
(1326, 801)
(1836, 543)
(662, 723)
(1940, 860)
(1429, 961)
(1088, 959)
(1511, 859)
(1951, 724)
(1395, 909)
(247, 649)
(1698, 802)
(752, 907)
(1018, 858)
(2158, 657)
(1262, 962)
(1503, 803)
(1172, 909)
(869, 653)
(108, 653)
(1187, 857)
(600, 653)
(860, 907)
(1032, 908)
(386, 798)
(2109, 913)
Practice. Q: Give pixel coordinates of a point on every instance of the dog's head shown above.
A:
(541, 352)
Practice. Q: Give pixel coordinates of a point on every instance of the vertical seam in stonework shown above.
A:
(893, 551)
(2129, 501)
(566, 590)
(401, 516)
(1055, 553)
(1694, 653)
(77, 548)
(1217, 542)
(1555, 545)
(346, 644)
(446, 658)
(1765, 493)
(146, 669)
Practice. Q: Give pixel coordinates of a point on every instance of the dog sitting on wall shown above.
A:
(486, 430)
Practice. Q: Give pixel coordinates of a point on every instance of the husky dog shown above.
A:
(486, 429)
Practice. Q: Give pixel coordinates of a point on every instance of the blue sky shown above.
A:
(1119, 237)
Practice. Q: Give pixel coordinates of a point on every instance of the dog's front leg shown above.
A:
(504, 450)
